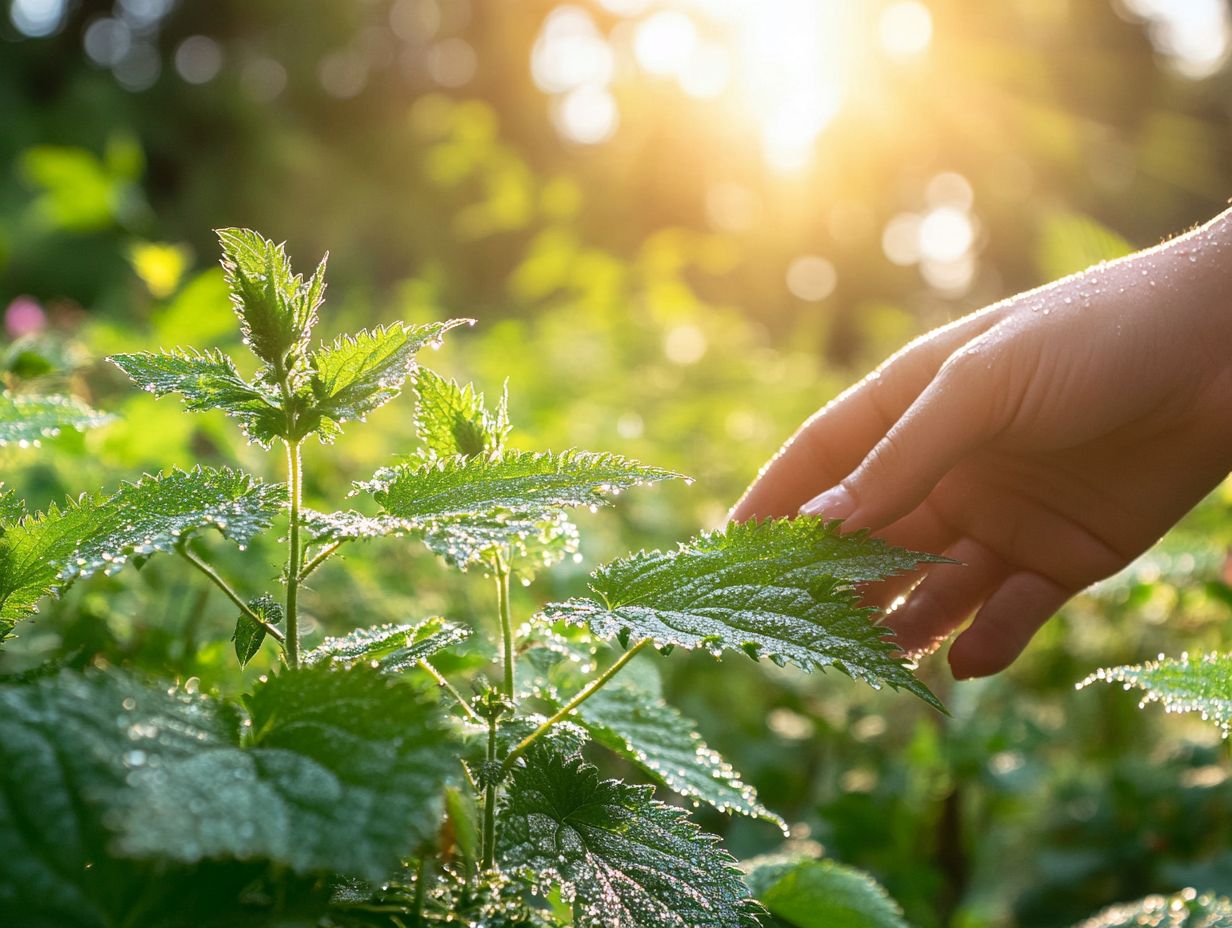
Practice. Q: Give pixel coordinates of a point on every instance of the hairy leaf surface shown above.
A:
(629, 860)
(822, 894)
(783, 589)
(208, 380)
(1184, 684)
(359, 373)
(344, 772)
(665, 744)
(26, 420)
(1186, 909)
(466, 507)
(451, 419)
(392, 647)
(44, 553)
(277, 308)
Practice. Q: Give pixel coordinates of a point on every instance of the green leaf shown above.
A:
(344, 772)
(359, 373)
(452, 419)
(1183, 684)
(277, 309)
(44, 553)
(12, 508)
(67, 745)
(393, 648)
(628, 860)
(338, 771)
(648, 732)
(248, 634)
(465, 508)
(27, 420)
(208, 380)
(823, 894)
(1186, 909)
(783, 589)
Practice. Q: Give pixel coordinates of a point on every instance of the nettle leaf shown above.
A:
(359, 373)
(1183, 684)
(277, 309)
(12, 508)
(452, 419)
(27, 420)
(466, 507)
(249, 635)
(67, 745)
(783, 589)
(1186, 909)
(822, 894)
(628, 860)
(391, 648)
(665, 744)
(208, 380)
(44, 553)
(343, 771)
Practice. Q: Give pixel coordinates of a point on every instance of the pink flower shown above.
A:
(24, 316)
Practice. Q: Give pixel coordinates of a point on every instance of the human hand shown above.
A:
(1044, 442)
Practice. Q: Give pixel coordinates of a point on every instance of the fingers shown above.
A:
(953, 416)
(833, 441)
(946, 597)
(1004, 625)
(922, 530)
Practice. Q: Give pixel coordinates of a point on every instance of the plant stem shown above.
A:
(441, 681)
(502, 595)
(317, 561)
(231, 594)
(295, 481)
(589, 690)
(489, 801)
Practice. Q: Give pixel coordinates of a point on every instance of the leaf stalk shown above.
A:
(231, 594)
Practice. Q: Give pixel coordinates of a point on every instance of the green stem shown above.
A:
(441, 681)
(489, 801)
(295, 485)
(231, 594)
(317, 561)
(589, 690)
(502, 595)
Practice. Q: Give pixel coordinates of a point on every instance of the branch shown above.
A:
(231, 594)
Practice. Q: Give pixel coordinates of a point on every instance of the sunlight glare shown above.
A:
(664, 43)
(906, 28)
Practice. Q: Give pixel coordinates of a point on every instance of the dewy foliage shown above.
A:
(324, 771)
(27, 420)
(821, 894)
(778, 589)
(42, 554)
(324, 789)
(1186, 909)
(1185, 684)
(628, 860)
(665, 744)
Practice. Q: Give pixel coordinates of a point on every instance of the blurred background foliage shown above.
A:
(682, 225)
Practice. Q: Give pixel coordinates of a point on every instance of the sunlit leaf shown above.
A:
(43, 553)
(628, 860)
(451, 419)
(208, 380)
(1184, 684)
(822, 894)
(249, 635)
(391, 648)
(277, 309)
(783, 589)
(1186, 909)
(465, 507)
(27, 420)
(356, 374)
(665, 744)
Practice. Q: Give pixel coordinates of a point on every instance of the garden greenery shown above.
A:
(374, 778)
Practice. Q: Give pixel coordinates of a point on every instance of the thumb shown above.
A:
(953, 416)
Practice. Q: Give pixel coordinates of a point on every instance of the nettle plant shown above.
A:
(357, 784)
